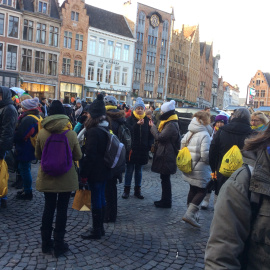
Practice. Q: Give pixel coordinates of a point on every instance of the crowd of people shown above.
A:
(78, 132)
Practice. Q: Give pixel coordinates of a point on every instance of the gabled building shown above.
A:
(110, 55)
(10, 35)
(178, 67)
(206, 75)
(73, 46)
(220, 93)
(215, 83)
(233, 94)
(39, 49)
(191, 33)
(261, 83)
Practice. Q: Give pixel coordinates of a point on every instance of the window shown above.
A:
(141, 18)
(149, 76)
(117, 55)
(165, 26)
(2, 23)
(1, 56)
(116, 75)
(138, 54)
(52, 64)
(7, 2)
(159, 95)
(148, 94)
(100, 72)
(110, 48)
(39, 62)
(152, 40)
(53, 38)
(28, 30)
(161, 78)
(92, 45)
(261, 103)
(262, 93)
(108, 74)
(79, 42)
(67, 39)
(162, 59)
(77, 68)
(137, 75)
(41, 33)
(258, 82)
(13, 26)
(124, 76)
(257, 93)
(74, 16)
(255, 104)
(164, 43)
(42, 7)
(91, 70)
(8, 81)
(126, 53)
(139, 37)
(101, 47)
(66, 66)
(12, 57)
(26, 60)
(151, 58)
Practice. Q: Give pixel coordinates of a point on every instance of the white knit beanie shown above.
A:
(168, 106)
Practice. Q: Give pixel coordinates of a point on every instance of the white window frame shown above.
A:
(124, 76)
(26, 59)
(110, 49)
(4, 29)
(17, 60)
(19, 26)
(117, 70)
(42, 7)
(117, 51)
(92, 45)
(103, 42)
(126, 53)
(68, 38)
(92, 66)
(3, 50)
(102, 72)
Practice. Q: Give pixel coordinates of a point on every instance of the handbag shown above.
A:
(82, 200)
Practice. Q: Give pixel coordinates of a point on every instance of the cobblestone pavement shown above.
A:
(143, 236)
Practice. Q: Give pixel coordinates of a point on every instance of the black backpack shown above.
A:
(124, 136)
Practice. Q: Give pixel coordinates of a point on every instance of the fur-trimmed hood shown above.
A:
(116, 114)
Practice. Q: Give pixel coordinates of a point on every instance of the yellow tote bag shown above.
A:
(184, 160)
(3, 178)
(231, 161)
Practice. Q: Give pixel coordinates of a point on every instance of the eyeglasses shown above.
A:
(254, 120)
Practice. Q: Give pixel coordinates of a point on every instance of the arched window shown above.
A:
(165, 26)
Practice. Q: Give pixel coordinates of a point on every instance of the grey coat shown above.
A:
(231, 224)
(199, 149)
(164, 160)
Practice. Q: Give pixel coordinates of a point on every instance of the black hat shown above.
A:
(56, 108)
(97, 108)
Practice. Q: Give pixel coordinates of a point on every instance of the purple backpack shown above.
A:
(56, 157)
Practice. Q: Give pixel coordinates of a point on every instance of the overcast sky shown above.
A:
(239, 30)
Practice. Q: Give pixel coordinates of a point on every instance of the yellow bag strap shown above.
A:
(38, 119)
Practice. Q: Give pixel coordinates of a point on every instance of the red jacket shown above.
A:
(128, 113)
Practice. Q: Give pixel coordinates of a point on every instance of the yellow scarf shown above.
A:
(139, 117)
(110, 107)
(68, 126)
(256, 127)
(162, 123)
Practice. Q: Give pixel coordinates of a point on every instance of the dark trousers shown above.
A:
(196, 195)
(111, 199)
(166, 196)
(58, 201)
(220, 181)
(98, 194)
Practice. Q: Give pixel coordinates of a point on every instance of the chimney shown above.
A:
(127, 9)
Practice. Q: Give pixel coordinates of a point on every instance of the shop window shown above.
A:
(77, 68)
(91, 70)
(39, 62)
(67, 39)
(41, 33)
(53, 38)
(2, 23)
(116, 75)
(42, 7)
(28, 30)
(101, 47)
(100, 72)
(74, 16)
(126, 53)
(110, 49)
(66, 66)
(13, 26)
(79, 42)
(26, 60)
(117, 54)
(11, 57)
(52, 64)
(92, 45)
(108, 74)
(1, 55)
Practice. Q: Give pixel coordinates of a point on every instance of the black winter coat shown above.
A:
(117, 118)
(141, 137)
(234, 133)
(93, 165)
(8, 120)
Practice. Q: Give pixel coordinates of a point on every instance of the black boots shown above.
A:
(126, 192)
(22, 195)
(19, 182)
(166, 197)
(96, 232)
(60, 247)
(137, 192)
(47, 242)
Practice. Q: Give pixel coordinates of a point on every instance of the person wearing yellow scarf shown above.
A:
(162, 123)
(138, 116)
(110, 107)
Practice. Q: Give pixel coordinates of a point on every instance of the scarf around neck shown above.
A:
(139, 117)
(110, 107)
(162, 123)
(258, 128)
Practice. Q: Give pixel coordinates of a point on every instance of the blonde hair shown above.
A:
(261, 116)
(148, 112)
(24, 97)
(203, 117)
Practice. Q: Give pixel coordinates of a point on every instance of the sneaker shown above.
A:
(24, 196)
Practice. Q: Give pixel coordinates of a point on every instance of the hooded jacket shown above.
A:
(8, 120)
(68, 181)
(231, 225)
(199, 149)
(117, 118)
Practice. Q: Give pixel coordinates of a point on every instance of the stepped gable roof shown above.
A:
(108, 21)
(189, 31)
(267, 77)
(29, 6)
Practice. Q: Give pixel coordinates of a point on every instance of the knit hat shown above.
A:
(97, 108)
(168, 106)
(139, 103)
(56, 108)
(78, 101)
(221, 118)
(110, 100)
(30, 104)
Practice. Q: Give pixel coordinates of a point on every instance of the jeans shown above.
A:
(196, 195)
(98, 194)
(129, 173)
(25, 172)
(54, 201)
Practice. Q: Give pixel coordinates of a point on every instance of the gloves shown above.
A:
(83, 180)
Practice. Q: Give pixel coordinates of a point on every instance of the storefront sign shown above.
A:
(110, 61)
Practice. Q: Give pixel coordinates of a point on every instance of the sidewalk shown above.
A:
(143, 236)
